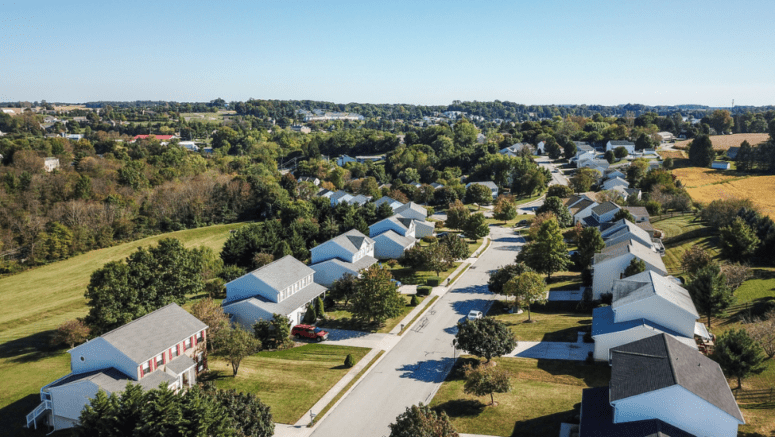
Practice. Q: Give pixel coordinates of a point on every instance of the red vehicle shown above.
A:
(309, 331)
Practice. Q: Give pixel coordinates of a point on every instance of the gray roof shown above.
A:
(286, 306)
(351, 240)
(621, 143)
(401, 221)
(414, 207)
(623, 227)
(153, 380)
(340, 194)
(489, 184)
(603, 323)
(638, 211)
(437, 185)
(357, 266)
(151, 334)
(647, 284)
(180, 364)
(604, 208)
(584, 204)
(396, 238)
(110, 379)
(358, 200)
(385, 199)
(660, 361)
(282, 273)
(634, 247)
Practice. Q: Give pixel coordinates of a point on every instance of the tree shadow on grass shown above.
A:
(593, 375)
(548, 425)
(32, 348)
(461, 408)
(13, 418)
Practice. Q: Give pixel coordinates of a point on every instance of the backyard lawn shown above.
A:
(544, 394)
(289, 381)
(553, 321)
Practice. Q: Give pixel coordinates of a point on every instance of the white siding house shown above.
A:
(390, 245)
(609, 265)
(625, 230)
(390, 201)
(400, 225)
(339, 197)
(350, 253)
(49, 164)
(721, 165)
(629, 145)
(417, 213)
(616, 182)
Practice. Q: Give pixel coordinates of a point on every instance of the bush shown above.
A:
(392, 263)
(349, 361)
(424, 290)
(433, 281)
(429, 239)
(415, 301)
(231, 272)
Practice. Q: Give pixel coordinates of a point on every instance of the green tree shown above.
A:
(553, 149)
(83, 188)
(457, 215)
(623, 214)
(745, 157)
(500, 277)
(376, 296)
(505, 209)
(721, 121)
(527, 288)
(212, 315)
(249, 416)
(570, 149)
(583, 179)
(476, 227)
(555, 205)
(547, 253)
(237, 344)
(485, 338)
(701, 153)
(343, 288)
(421, 421)
(590, 243)
(621, 152)
(738, 241)
(610, 156)
(486, 380)
(479, 194)
(439, 258)
(709, 291)
(739, 355)
(695, 259)
(636, 266)
(457, 247)
(561, 191)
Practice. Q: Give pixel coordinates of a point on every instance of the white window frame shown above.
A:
(146, 367)
(159, 360)
(187, 343)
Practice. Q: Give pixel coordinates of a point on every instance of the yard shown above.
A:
(289, 381)
(544, 394)
(341, 318)
(553, 321)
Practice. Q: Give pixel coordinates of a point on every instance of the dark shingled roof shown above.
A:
(597, 420)
(604, 208)
(661, 361)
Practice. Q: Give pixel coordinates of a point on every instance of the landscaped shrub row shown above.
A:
(433, 281)
(424, 290)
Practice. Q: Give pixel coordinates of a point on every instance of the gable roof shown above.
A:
(616, 180)
(635, 248)
(281, 273)
(489, 184)
(604, 322)
(393, 203)
(403, 222)
(581, 206)
(637, 211)
(622, 227)
(661, 361)
(352, 240)
(605, 208)
(153, 333)
(284, 307)
(647, 284)
(341, 195)
(396, 238)
(414, 207)
(621, 143)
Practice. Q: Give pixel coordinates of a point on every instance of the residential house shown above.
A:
(514, 149)
(616, 182)
(350, 253)
(390, 201)
(627, 192)
(600, 165)
(311, 179)
(582, 210)
(639, 213)
(163, 347)
(666, 136)
(372, 158)
(721, 165)
(284, 287)
(392, 236)
(660, 378)
(625, 230)
(73, 137)
(344, 159)
(300, 128)
(602, 213)
(189, 145)
(613, 144)
(614, 173)
(161, 138)
(643, 305)
(732, 152)
(436, 185)
(481, 138)
(339, 197)
(49, 164)
(583, 151)
(540, 148)
(419, 214)
(489, 184)
(325, 193)
(610, 263)
(359, 200)
(415, 184)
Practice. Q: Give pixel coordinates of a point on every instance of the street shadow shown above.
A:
(427, 371)
(544, 425)
(452, 329)
(464, 307)
(32, 348)
(471, 289)
(593, 375)
(461, 408)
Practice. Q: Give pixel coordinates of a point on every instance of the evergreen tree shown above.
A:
(709, 291)
(738, 241)
(283, 249)
(745, 157)
(739, 355)
(701, 153)
(590, 242)
(555, 205)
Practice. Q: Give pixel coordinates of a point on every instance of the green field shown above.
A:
(289, 381)
(681, 234)
(544, 394)
(341, 318)
(36, 301)
(552, 322)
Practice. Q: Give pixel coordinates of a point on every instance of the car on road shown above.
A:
(474, 315)
(309, 331)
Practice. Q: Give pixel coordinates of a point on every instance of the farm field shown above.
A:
(760, 189)
(693, 177)
(724, 142)
(39, 300)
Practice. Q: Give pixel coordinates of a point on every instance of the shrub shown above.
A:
(433, 281)
(415, 301)
(392, 262)
(424, 290)
(349, 361)
(429, 239)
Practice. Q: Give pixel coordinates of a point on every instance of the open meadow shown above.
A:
(706, 185)
(724, 142)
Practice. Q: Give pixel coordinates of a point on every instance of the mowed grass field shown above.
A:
(724, 142)
(35, 302)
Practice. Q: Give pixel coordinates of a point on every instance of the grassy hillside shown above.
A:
(35, 302)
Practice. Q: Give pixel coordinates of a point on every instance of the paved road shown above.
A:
(413, 370)
(557, 178)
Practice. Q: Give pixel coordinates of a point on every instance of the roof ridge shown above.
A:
(670, 360)
(140, 318)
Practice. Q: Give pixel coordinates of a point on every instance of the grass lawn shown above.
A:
(554, 321)
(36, 301)
(544, 394)
(341, 318)
(674, 252)
(289, 381)
(565, 281)
(675, 226)
(510, 223)
(417, 277)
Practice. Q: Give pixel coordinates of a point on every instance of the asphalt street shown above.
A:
(412, 371)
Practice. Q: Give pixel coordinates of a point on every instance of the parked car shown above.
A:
(398, 283)
(309, 331)
(474, 315)
(521, 223)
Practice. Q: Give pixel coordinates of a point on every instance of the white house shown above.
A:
(437, 185)
(582, 210)
(616, 182)
(310, 179)
(583, 151)
(350, 253)
(339, 197)
(390, 201)
(602, 213)
(613, 144)
(359, 200)
(284, 287)
(391, 245)
(609, 265)
(49, 164)
(613, 173)
(666, 136)
(643, 305)
(412, 210)
(164, 346)
(721, 165)
(639, 213)
(625, 230)
(344, 159)
(489, 184)
(189, 145)
(514, 149)
(661, 378)
(481, 138)
(401, 225)
(372, 158)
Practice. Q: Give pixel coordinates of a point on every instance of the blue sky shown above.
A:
(419, 52)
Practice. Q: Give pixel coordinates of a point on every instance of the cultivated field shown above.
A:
(724, 142)
(706, 185)
(675, 154)
(697, 177)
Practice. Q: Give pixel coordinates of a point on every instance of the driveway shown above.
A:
(552, 350)
(413, 370)
(343, 337)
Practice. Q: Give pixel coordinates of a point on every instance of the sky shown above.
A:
(424, 52)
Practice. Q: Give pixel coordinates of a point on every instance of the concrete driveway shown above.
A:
(552, 350)
(413, 370)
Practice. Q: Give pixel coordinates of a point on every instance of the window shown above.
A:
(159, 360)
(187, 343)
(146, 367)
(200, 336)
(176, 350)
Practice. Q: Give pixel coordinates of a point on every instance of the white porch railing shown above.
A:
(42, 408)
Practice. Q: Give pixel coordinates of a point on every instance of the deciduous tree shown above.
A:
(547, 253)
(479, 194)
(505, 209)
(376, 296)
(71, 332)
(583, 179)
(476, 227)
(237, 344)
(486, 380)
(485, 337)
(343, 288)
(555, 205)
(636, 266)
(590, 242)
(527, 288)
(457, 215)
(695, 259)
(212, 315)
(421, 421)
(500, 277)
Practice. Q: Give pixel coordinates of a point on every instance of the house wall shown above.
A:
(658, 311)
(99, 354)
(610, 269)
(604, 342)
(248, 286)
(328, 272)
(607, 217)
(388, 249)
(68, 401)
(330, 250)
(678, 407)
(246, 314)
(423, 230)
(584, 213)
